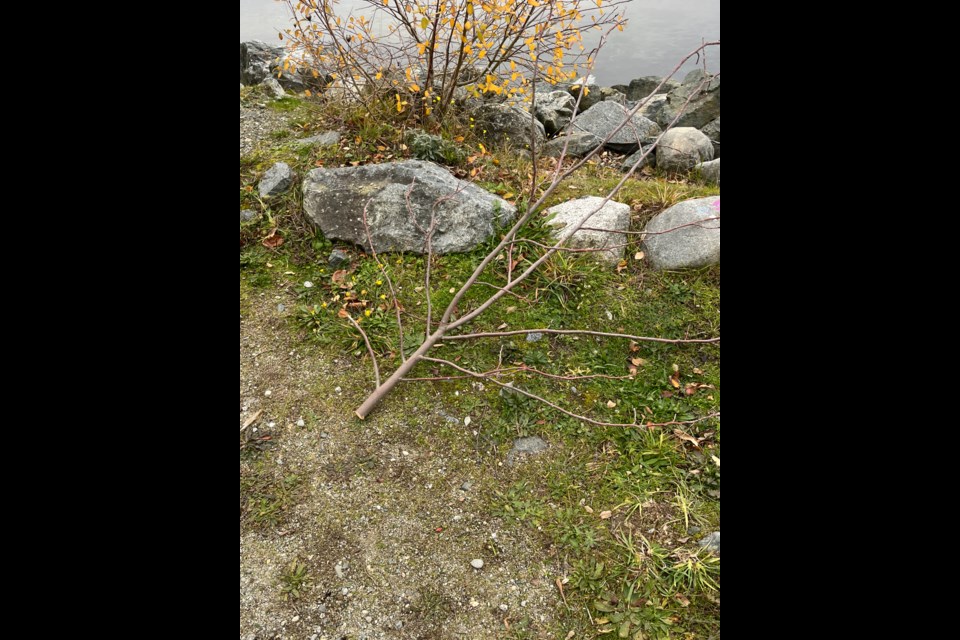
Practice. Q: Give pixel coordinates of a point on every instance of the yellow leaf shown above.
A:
(483, 149)
(415, 88)
(425, 22)
(507, 196)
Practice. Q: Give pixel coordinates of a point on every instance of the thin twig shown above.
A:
(386, 274)
(373, 357)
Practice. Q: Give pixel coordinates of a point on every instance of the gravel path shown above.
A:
(256, 123)
(389, 520)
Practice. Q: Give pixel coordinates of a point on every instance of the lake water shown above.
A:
(660, 33)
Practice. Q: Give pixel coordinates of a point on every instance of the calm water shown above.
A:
(660, 33)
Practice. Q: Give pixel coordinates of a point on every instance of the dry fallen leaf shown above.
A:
(606, 515)
(716, 460)
(611, 405)
(273, 240)
(683, 600)
(687, 438)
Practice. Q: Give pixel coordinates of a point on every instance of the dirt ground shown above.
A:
(383, 517)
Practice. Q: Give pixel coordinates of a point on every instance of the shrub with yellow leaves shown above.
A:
(425, 56)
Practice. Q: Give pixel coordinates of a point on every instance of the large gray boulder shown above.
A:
(605, 229)
(712, 131)
(643, 87)
(682, 149)
(509, 126)
(684, 236)
(590, 97)
(652, 107)
(258, 61)
(554, 110)
(609, 94)
(578, 145)
(704, 94)
(466, 216)
(604, 118)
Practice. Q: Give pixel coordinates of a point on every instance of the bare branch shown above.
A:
(373, 357)
(574, 332)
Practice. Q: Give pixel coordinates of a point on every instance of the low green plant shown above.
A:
(295, 580)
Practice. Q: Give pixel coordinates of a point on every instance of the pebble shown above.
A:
(477, 564)
(281, 308)
(712, 542)
(301, 423)
(268, 393)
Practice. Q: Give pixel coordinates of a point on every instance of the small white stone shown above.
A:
(308, 284)
(268, 393)
(301, 423)
(477, 564)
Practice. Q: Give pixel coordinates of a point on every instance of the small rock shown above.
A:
(246, 215)
(308, 285)
(273, 88)
(466, 486)
(338, 259)
(534, 337)
(712, 542)
(526, 446)
(477, 564)
(328, 139)
(281, 308)
(268, 393)
(277, 180)
(301, 423)
(709, 171)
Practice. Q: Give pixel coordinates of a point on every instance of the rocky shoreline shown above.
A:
(691, 240)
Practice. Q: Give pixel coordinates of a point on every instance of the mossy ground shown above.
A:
(610, 513)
